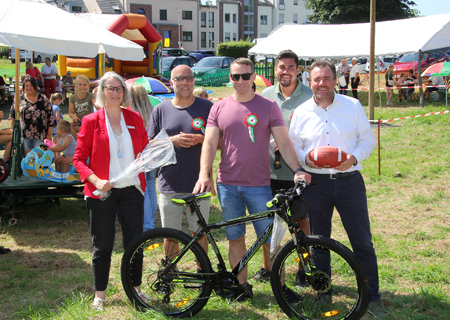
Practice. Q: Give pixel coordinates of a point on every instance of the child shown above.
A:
(66, 144)
(56, 99)
(59, 85)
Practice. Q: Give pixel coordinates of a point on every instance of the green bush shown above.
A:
(234, 49)
(4, 52)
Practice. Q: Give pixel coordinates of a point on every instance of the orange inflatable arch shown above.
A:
(134, 27)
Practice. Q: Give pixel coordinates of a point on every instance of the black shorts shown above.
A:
(298, 207)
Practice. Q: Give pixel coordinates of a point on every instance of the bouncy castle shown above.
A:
(134, 27)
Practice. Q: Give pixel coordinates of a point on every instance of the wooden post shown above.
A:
(372, 61)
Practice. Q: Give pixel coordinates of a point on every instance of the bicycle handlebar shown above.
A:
(289, 195)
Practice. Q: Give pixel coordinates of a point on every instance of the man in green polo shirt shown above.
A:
(289, 93)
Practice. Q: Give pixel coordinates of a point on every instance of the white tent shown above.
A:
(38, 26)
(341, 41)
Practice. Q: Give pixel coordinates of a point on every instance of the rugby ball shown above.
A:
(327, 156)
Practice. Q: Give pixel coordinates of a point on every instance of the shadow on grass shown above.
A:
(40, 280)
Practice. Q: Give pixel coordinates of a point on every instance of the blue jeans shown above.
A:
(348, 196)
(30, 144)
(150, 204)
(234, 200)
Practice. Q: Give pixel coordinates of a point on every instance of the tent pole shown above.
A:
(379, 82)
(419, 70)
(372, 60)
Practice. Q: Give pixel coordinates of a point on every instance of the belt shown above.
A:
(336, 175)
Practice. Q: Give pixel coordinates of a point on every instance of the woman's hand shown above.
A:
(103, 185)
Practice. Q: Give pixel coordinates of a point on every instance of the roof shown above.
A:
(110, 6)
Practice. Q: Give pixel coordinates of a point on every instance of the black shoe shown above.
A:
(244, 293)
(301, 280)
(263, 275)
(291, 296)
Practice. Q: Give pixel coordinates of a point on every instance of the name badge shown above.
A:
(131, 127)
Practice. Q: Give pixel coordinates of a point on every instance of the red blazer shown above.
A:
(93, 143)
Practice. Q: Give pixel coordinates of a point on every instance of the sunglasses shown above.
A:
(245, 76)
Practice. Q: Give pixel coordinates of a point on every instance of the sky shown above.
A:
(432, 7)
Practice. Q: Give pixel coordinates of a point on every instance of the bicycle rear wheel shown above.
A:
(338, 287)
(181, 292)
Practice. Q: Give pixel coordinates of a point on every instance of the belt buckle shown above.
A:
(331, 177)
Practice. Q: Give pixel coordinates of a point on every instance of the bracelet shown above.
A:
(298, 169)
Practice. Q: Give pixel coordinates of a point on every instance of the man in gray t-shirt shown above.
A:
(289, 94)
(184, 119)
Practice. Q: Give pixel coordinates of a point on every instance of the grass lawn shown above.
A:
(48, 273)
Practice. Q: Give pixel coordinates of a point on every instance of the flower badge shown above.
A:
(199, 124)
(251, 120)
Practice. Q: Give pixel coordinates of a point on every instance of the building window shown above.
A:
(203, 40)
(295, 2)
(211, 39)
(162, 14)
(187, 36)
(281, 19)
(211, 19)
(281, 2)
(295, 20)
(140, 11)
(227, 36)
(186, 15)
(203, 20)
(234, 18)
(76, 9)
(227, 17)
(264, 20)
(263, 35)
(234, 36)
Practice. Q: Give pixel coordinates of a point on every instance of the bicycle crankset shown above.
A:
(225, 284)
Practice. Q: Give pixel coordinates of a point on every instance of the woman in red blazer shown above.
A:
(109, 140)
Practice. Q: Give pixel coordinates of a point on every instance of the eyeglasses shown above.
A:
(181, 79)
(112, 89)
(245, 76)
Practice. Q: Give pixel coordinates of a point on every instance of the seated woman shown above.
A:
(6, 137)
(402, 92)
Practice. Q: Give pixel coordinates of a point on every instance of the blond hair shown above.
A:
(140, 102)
(79, 78)
(64, 126)
(56, 96)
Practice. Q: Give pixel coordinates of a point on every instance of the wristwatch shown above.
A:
(356, 162)
(298, 169)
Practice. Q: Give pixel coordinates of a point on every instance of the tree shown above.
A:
(357, 11)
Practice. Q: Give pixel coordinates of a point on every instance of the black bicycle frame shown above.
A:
(206, 229)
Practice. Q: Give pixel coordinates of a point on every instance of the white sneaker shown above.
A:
(98, 304)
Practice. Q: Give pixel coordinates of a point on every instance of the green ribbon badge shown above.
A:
(251, 120)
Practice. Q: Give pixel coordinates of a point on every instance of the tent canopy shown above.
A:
(428, 34)
(63, 34)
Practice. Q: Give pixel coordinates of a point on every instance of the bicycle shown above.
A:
(181, 283)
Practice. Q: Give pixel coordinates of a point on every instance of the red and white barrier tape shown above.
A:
(421, 115)
(409, 87)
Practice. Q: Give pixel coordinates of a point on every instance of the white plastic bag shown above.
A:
(278, 232)
(158, 153)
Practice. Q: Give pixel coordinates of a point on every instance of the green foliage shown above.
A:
(357, 11)
(4, 52)
(234, 49)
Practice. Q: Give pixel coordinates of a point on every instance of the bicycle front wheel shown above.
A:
(180, 290)
(337, 288)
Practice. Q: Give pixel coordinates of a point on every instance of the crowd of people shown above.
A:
(298, 114)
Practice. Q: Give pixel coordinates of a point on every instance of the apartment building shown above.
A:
(202, 24)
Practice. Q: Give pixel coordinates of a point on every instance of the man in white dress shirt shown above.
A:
(354, 77)
(337, 120)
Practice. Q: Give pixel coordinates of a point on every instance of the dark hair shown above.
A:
(244, 61)
(33, 82)
(323, 64)
(254, 87)
(411, 71)
(285, 54)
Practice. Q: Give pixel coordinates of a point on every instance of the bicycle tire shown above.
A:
(4, 170)
(348, 283)
(169, 295)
